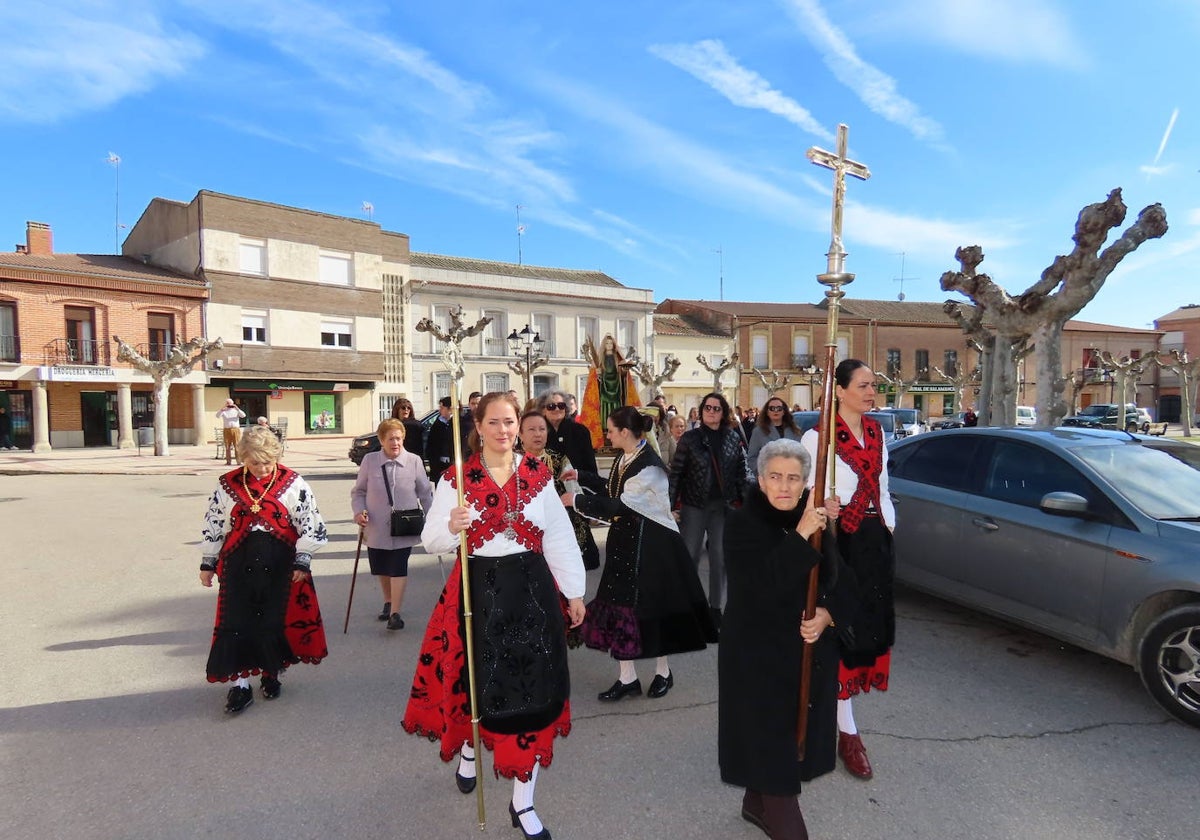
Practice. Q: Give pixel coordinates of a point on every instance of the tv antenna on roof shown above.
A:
(368, 210)
(902, 278)
(114, 160)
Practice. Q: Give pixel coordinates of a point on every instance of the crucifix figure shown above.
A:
(841, 166)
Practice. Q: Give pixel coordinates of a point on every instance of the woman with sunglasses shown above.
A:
(414, 435)
(569, 438)
(774, 422)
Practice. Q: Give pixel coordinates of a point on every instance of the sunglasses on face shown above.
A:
(556, 406)
(713, 408)
(774, 408)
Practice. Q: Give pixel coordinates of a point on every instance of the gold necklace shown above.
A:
(256, 504)
(623, 465)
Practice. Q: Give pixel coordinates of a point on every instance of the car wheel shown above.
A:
(1169, 660)
(1131, 427)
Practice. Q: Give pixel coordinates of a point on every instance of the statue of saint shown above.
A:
(610, 385)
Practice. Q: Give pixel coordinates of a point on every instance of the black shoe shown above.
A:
(386, 612)
(465, 784)
(715, 612)
(238, 699)
(544, 834)
(659, 686)
(395, 622)
(271, 687)
(619, 690)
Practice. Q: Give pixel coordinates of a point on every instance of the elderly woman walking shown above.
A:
(260, 531)
(762, 643)
(392, 478)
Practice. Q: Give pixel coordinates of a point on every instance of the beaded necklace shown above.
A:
(256, 504)
(509, 516)
(623, 465)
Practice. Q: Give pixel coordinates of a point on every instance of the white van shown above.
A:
(1026, 415)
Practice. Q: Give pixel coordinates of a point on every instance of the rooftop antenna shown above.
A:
(520, 233)
(115, 161)
(721, 267)
(902, 278)
(368, 210)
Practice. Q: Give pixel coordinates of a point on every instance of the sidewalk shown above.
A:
(306, 456)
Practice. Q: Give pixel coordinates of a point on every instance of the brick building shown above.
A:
(60, 380)
(306, 303)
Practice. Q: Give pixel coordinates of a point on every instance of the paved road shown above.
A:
(108, 729)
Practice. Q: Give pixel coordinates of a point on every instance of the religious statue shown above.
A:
(610, 385)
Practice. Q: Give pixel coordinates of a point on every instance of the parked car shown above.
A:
(954, 421)
(1026, 415)
(909, 421)
(1144, 420)
(363, 444)
(1105, 416)
(1087, 535)
(806, 420)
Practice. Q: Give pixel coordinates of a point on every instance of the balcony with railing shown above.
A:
(10, 348)
(801, 361)
(76, 351)
(154, 351)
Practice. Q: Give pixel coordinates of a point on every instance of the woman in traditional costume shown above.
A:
(260, 531)
(762, 645)
(522, 555)
(610, 386)
(534, 433)
(650, 602)
(865, 520)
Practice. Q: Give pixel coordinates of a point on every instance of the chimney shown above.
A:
(40, 239)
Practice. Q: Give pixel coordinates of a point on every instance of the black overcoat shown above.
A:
(767, 564)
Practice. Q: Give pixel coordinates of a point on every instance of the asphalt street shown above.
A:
(109, 730)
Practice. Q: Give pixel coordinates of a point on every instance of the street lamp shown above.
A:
(527, 346)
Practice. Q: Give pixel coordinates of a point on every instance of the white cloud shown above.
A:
(84, 57)
(876, 89)
(1017, 31)
(712, 64)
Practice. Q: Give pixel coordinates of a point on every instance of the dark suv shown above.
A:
(1105, 416)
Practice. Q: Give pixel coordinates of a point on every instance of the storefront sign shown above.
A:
(75, 373)
(341, 386)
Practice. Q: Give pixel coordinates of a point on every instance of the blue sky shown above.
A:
(662, 143)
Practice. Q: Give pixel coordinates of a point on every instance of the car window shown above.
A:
(1161, 480)
(940, 461)
(1024, 474)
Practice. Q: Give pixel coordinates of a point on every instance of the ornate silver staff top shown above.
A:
(452, 355)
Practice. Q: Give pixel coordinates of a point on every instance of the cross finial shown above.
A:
(841, 166)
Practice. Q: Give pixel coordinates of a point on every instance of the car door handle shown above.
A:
(985, 524)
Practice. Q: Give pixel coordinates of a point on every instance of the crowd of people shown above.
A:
(515, 499)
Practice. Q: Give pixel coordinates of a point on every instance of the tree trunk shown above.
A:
(1003, 398)
(1051, 408)
(987, 364)
(162, 390)
(1185, 392)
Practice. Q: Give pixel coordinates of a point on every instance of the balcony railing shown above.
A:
(76, 351)
(802, 360)
(155, 351)
(10, 348)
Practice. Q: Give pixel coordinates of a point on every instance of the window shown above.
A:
(252, 257)
(254, 329)
(335, 268)
(801, 357)
(626, 335)
(940, 461)
(322, 413)
(759, 351)
(1024, 474)
(441, 317)
(843, 347)
(162, 335)
(758, 396)
(10, 345)
(386, 401)
(495, 334)
(1091, 357)
(543, 325)
(893, 363)
(543, 382)
(493, 382)
(947, 405)
(950, 363)
(441, 387)
(336, 334)
(588, 328)
(81, 335)
(921, 362)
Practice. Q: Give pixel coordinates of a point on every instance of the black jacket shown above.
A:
(575, 441)
(691, 469)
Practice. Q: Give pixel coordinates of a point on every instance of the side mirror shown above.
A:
(1065, 504)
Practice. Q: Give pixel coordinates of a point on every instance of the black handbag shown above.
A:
(405, 523)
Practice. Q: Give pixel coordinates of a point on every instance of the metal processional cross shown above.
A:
(841, 166)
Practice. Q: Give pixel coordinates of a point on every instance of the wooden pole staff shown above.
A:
(835, 277)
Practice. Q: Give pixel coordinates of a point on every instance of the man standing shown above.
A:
(439, 447)
(6, 441)
(231, 417)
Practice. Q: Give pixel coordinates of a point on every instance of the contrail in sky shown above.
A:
(1166, 136)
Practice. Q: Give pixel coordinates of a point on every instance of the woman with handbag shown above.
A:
(389, 500)
(523, 554)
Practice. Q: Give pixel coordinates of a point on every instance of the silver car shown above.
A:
(1087, 535)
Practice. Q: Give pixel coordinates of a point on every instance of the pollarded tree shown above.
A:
(1188, 370)
(1039, 313)
(1126, 372)
(180, 360)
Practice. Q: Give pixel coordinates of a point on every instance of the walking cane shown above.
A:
(353, 578)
